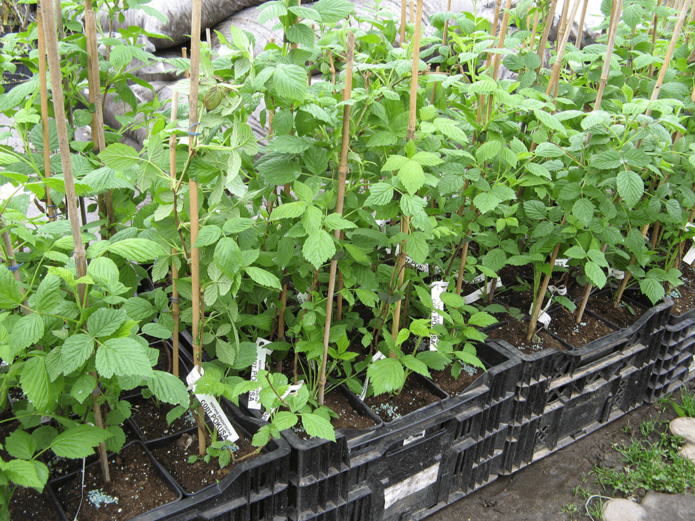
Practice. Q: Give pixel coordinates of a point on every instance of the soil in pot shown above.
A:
(515, 333)
(196, 476)
(623, 316)
(578, 335)
(455, 386)
(684, 295)
(152, 422)
(414, 396)
(28, 505)
(135, 488)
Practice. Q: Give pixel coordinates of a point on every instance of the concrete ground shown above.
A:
(545, 490)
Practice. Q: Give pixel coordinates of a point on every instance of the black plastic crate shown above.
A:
(674, 359)
(358, 507)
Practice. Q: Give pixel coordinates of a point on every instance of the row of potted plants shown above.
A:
(342, 273)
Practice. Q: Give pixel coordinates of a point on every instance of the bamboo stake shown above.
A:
(95, 97)
(412, 10)
(655, 25)
(193, 195)
(535, 27)
(546, 32)
(175, 310)
(342, 177)
(43, 77)
(71, 197)
(498, 57)
(616, 11)
(563, 38)
(405, 221)
(580, 29)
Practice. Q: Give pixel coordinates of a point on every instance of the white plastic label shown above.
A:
(477, 295)
(377, 356)
(690, 256)
(290, 390)
(258, 365)
(212, 408)
(544, 319)
(438, 288)
(561, 263)
(411, 485)
(302, 297)
(612, 272)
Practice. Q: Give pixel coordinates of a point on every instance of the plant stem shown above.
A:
(623, 284)
(342, 177)
(175, 310)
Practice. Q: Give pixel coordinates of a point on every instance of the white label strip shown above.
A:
(212, 408)
(302, 297)
(377, 356)
(291, 389)
(612, 272)
(690, 256)
(258, 365)
(438, 288)
(477, 295)
(411, 485)
(562, 263)
(414, 437)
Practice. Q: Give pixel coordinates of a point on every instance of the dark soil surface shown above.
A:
(577, 335)
(152, 421)
(134, 483)
(414, 396)
(521, 300)
(557, 487)
(622, 316)
(28, 505)
(453, 386)
(196, 476)
(349, 417)
(515, 333)
(684, 295)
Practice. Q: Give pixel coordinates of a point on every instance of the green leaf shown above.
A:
(228, 256)
(120, 157)
(78, 441)
(486, 202)
(122, 357)
(76, 351)
(138, 250)
(168, 388)
(451, 300)
(47, 294)
(20, 445)
(417, 247)
(549, 121)
(488, 150)
(285, 420)
(318, 248)
(536, 210)
(630, 187)
(495, 259)
(287, 144)
(549, 150)
(636, 158)
(386, 375)
(271, 10)
(137, 308)
(290, 82)
(289, 210)
(538, 170)
(103, 268)
(333, 11)
(335, 222)
(30, 474)
(312, 220)
(27, 331)
(207, 235)
(583, 210)
(598, 257)
(481, 319)
(608, 160)
(416, 365)
(36, 383)
(105, 321)
(652, 288)
(237, 225)
(411, 176)
(264, 278)
(157, 331)
(302, 34)
(595, 274)
(83, 387)
(380, 194)
(10, 295)
(575, 252)
(318, 426)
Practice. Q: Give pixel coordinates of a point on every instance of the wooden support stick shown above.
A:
(43, 82)
(616, 10)
(342, 178)
(546, 31)
(193, 195)
(404, 4)
(563, 37)
(70, 195)
(580, 29)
